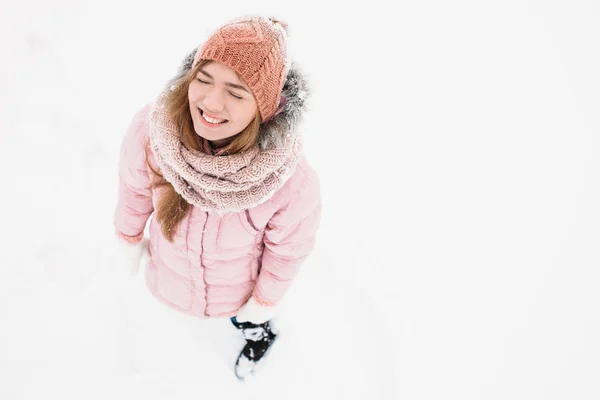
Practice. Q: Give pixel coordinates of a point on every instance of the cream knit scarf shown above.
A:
(227, 183)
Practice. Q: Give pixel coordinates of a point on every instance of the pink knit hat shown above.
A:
(256, 49)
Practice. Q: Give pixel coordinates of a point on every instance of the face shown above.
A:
(221, 104)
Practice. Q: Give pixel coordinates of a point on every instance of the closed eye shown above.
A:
(231, 93)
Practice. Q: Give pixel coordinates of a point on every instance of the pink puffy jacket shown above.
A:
(216, 262)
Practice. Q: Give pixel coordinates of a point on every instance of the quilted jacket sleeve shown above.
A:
(134, 204)
(289, 239)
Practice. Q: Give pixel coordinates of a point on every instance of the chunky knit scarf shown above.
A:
(228, 183)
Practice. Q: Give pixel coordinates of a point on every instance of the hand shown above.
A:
(131, 256)
(254, 312)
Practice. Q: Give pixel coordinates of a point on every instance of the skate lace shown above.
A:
(255, 334)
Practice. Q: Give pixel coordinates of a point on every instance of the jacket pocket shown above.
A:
(236, 230)
(250, 222)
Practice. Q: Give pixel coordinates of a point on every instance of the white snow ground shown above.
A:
(458, 255)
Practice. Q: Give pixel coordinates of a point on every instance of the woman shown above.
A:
(217, 164)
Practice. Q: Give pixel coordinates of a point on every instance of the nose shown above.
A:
(213, 101)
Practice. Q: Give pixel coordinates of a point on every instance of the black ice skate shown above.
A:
(259, 339)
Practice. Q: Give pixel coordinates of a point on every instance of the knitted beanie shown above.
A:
(255, 48)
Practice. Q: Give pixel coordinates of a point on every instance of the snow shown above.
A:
(458, 145)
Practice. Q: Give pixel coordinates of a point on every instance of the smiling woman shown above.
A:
(217, 162)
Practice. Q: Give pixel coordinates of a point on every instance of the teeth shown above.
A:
(211, 120)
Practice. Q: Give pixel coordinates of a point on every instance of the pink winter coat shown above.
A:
(218, 261)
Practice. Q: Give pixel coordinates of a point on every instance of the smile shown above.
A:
(210, 121)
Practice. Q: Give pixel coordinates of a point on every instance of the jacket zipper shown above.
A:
(202, 264)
